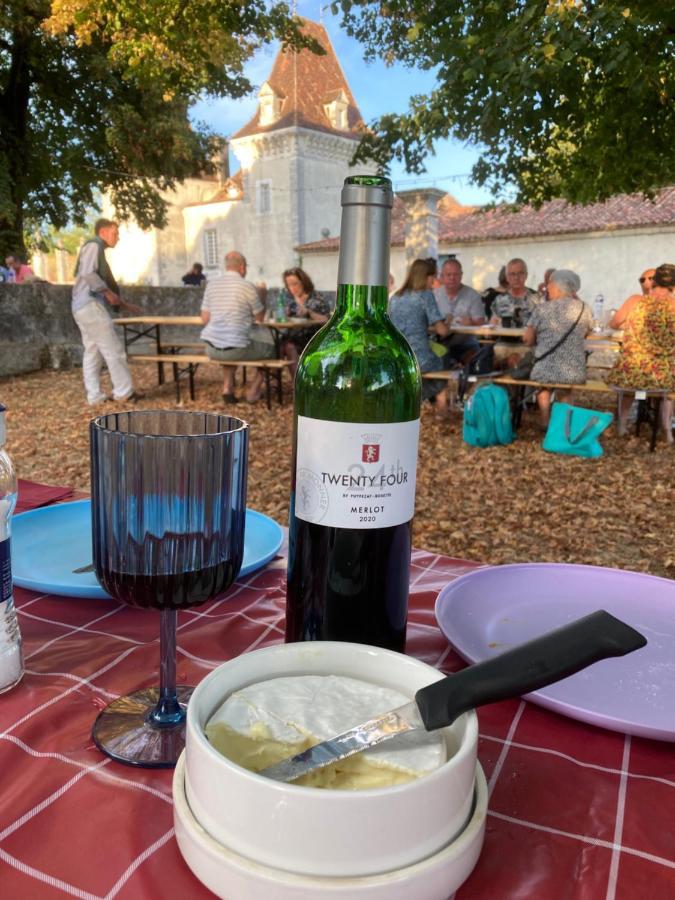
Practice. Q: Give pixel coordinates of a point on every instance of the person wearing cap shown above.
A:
(557, 330)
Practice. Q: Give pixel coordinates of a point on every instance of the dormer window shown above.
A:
(336, 111)
(270, 105)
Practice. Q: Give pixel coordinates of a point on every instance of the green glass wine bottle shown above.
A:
(356, 429)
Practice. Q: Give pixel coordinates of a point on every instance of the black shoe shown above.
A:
(230, 398)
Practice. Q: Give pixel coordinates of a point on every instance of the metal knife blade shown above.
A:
(83, 569)
(368, 734)
(525, 668)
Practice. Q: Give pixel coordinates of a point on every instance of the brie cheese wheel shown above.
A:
(267, 722)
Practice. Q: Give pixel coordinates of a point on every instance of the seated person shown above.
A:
(230, 308)
(647, 357)
(647, 281)
(195, 276)
(557, 330)
(542, 289)
(460, 305)
(304, 303)
(413, 310)
(490, 294)
(512, 309)
(19, 271)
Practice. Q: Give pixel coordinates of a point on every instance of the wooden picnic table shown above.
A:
(139, 327)
(607, 336)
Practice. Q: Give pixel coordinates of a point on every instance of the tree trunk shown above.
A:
(14, 102)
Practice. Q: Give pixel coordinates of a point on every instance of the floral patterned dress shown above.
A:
(647, 357)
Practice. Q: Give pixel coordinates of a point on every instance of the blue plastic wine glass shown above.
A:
(168, 513)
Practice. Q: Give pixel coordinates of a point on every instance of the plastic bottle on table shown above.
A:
(281, 308)
(598, 306)
(11, 659)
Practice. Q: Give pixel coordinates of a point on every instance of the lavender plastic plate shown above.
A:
(491, 609)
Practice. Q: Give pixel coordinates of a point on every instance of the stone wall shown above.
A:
(37, 329)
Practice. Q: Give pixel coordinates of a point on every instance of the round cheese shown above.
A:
(264, 723)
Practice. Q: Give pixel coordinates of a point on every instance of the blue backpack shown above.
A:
(487, 417)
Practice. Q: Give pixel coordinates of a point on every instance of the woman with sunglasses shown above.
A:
(304, 303)
(647, 358)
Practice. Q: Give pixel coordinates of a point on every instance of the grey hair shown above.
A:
(567, 280)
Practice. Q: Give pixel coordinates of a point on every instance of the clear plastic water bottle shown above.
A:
(598, 307)
(11, 659)
(281, 307)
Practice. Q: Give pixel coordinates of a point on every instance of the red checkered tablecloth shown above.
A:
(576, 813)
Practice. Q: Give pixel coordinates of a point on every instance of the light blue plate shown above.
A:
(48, 543)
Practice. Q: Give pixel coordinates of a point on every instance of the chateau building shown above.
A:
(294, 155)
(282, 206)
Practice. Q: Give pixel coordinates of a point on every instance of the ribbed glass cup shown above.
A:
(168, 516)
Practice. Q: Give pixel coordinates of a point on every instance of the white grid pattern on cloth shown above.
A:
(610, 770)
(429, 573)
(618, 826)
(75, 687)
(583, 838)
(85, 769)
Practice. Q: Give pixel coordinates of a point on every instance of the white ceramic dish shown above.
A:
(324, 832)
(234, 877)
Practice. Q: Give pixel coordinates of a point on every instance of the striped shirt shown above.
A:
(232, 303)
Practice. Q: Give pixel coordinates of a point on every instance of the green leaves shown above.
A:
(95, 96)
(565, 98)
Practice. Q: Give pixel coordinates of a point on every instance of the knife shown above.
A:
(83, 569)
(525, 668)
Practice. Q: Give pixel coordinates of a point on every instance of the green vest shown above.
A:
(102, 267)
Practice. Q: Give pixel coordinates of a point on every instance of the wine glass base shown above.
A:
(123, 732)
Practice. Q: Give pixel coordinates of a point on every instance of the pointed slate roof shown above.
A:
(305, 82)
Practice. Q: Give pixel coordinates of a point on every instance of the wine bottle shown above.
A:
(356, 429)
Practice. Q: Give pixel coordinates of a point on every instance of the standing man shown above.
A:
(230, 308)
(94, 287)
(459, 305)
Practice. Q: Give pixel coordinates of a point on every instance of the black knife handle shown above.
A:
(527, 667)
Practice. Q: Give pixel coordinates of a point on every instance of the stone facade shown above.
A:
(39, 332)
(294, 156)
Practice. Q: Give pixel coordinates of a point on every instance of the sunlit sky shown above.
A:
(378, 89)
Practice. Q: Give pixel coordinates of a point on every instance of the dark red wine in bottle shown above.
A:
(356, 428)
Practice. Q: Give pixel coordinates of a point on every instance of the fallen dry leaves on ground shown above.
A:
(498, 505)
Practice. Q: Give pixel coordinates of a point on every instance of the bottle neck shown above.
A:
(361, 301)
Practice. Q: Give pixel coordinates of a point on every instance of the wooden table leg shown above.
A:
(268, 388)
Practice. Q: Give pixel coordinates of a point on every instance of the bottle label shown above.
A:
(356, 474)
(5, 571)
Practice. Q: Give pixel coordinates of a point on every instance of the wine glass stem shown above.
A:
(168, 711)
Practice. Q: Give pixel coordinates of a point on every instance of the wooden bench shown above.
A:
(176, 346)
(188, 363)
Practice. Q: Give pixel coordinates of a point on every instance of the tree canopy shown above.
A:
(95, 96)
(566, 98)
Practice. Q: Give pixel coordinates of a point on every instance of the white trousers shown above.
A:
(101, 343)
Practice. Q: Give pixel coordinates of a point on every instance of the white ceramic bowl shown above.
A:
(235, 877)
(324, 832)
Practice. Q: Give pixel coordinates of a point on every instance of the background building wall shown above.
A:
(607, 262)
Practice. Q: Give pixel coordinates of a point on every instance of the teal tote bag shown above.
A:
(574, 430)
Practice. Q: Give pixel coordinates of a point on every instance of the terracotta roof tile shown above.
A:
(306, 82)
(458, 226)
